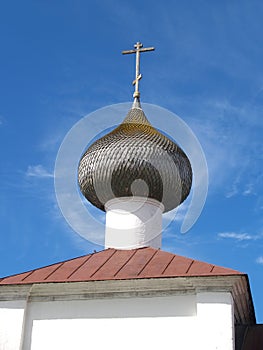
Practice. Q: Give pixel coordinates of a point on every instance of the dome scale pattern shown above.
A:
(135, 159)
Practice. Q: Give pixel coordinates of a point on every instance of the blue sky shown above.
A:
(62, 61)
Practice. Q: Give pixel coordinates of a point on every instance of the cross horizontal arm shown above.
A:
(147, 49)
(140, 50)
(128, 51)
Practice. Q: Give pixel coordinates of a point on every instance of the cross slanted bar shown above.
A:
(138, 49)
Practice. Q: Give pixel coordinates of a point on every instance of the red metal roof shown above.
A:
(112, 264)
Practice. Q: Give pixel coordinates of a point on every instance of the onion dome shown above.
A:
(135, 159)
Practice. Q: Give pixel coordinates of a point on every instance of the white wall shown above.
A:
(203, 321)
(11, 324)
(215, 321)
(141, 323)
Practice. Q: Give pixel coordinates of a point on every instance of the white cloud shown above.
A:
(260, 260)
(238, 236)
(38, 171)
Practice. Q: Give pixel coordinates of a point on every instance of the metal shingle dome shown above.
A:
(135, 159)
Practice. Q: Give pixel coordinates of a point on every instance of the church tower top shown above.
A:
(134, 173)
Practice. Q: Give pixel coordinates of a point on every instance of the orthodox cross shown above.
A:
(138, 49)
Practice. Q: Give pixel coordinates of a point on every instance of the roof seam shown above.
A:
(126, 262)
(103, 263)
(213, 267)
(147, 263)
(59, 265)
(29, 274)
(39, 268)
(169, 263)
(165, 268)
(189, 267)
(84, 262)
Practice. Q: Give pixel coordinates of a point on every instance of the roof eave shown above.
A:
(237, 285)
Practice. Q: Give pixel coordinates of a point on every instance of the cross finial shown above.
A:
(138, 49)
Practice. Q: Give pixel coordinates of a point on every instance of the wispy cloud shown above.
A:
(260, 260)
(238, 188)
(238, 236)
(234, 189)
(230, 135)
(38, 171)
(249, 190)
